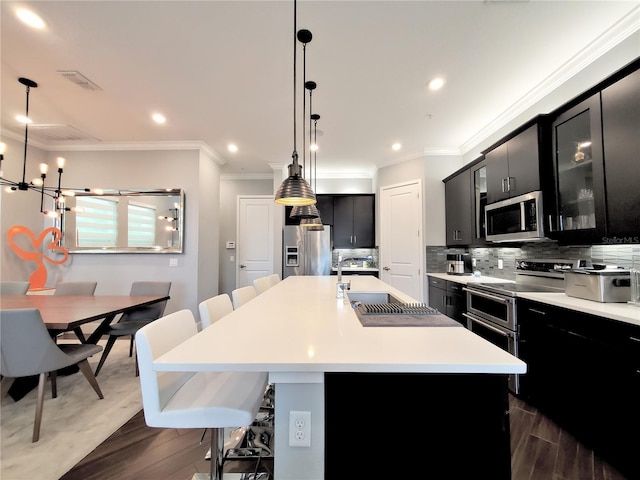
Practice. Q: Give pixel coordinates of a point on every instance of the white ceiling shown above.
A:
(222, 71)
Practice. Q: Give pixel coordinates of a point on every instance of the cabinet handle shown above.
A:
(355, 239)
(504, 185)
(539, 312)
(509, 187)
(444, 300)
(634, 339)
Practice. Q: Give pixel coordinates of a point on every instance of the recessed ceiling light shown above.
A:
(158, 118)
(30, 18)
(436, 83)
(396, 146)
(232, 147)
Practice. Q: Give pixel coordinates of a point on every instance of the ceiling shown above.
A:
(222, 72)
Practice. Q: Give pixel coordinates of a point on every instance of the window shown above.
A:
(142, 225)
(96, 222)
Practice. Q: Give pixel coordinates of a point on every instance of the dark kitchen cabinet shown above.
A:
(597, 163)
(579, 168)
(354, 221)
(448, 297)
(324, 205)
(478, 203)
(459, 218)
(621, 140)
(583, 371)
(517, 166)
(445, 413)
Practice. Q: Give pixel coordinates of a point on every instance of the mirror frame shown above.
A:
(169, 192)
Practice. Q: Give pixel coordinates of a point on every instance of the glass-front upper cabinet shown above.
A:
(577, 140)
(479, 192)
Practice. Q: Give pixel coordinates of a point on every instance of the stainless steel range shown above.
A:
(491, 307)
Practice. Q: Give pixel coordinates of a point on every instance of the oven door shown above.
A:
(498, 309)
(499, 336)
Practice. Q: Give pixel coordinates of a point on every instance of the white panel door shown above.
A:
(254, 247)
(401, 254)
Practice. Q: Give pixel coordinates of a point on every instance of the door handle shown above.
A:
(243, 266)
(386, 268)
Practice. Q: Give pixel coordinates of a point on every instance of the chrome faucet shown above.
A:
(340, 262)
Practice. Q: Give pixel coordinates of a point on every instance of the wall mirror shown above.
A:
(124, 221)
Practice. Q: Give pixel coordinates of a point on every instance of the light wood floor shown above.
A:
(540, 451)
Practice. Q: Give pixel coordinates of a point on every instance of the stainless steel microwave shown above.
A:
(516, 219)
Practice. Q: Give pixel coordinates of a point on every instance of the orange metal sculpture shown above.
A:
(38, 278)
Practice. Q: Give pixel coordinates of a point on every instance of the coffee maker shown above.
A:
(458, 264)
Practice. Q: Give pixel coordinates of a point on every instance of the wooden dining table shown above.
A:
(62, 313)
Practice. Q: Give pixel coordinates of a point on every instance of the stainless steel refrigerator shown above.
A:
(306, 252)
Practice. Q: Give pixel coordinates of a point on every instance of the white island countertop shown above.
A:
(299, 332)
(300, 326)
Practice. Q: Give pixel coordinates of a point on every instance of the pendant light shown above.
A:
(294, 190)
(315, 224)
(304, 211)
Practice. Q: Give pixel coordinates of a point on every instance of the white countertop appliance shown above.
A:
(458, 264)
(491, 307)
(600, 285)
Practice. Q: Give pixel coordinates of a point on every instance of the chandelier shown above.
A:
(37, 184)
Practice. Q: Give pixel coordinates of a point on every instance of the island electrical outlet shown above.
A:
(299, 429)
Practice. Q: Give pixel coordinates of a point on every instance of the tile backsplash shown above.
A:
(627, 256)
(355, 253)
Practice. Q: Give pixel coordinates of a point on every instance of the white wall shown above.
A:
(190, 170)
(230, 188)
(19, 208)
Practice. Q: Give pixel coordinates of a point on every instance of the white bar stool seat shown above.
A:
(194, 399)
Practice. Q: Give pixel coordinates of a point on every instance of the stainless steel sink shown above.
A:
(371, 297)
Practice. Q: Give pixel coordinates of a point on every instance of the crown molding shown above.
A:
(612, 37)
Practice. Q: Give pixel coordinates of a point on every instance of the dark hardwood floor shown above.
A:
(540, 451)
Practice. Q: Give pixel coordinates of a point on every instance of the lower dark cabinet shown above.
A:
(583, 371)
(440, 426)
(449, 298)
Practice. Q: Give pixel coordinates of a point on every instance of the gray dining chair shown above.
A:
(14, 288)
(215, 400)
(130, 322)
(27, 349)
(75, 288)
(213, 309)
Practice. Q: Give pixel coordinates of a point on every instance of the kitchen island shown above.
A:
(395, 393)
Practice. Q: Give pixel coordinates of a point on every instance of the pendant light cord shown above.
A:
(304, 111)
(295, 29)
(26, 136)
